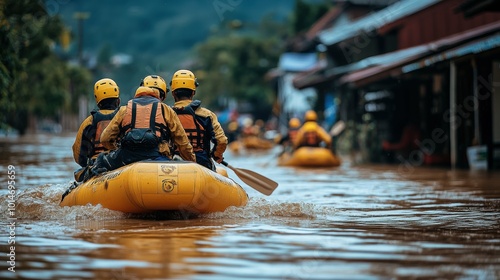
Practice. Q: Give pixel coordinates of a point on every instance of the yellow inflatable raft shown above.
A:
(256, 143)
(309, 157)
(149, 186)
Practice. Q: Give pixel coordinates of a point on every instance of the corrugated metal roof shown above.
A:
(471, 48)
(391, 63)
(321, 75)
(382, 59)
(371, 2)
(409, 64)
(374, 21)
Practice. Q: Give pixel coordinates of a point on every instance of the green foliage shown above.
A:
(47, 89)
(33, 80)
(80, 84)
(233, 66)
(104, 56)
(160, 35)
(234, 61)
(306, 14)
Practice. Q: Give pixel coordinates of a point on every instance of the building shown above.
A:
(429, 66)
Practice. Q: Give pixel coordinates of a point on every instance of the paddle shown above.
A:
(259, 182)
(337, 128)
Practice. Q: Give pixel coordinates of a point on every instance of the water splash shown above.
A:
(42, 204)
(262, 208)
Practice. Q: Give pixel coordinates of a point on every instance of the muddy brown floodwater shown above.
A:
(350, 222)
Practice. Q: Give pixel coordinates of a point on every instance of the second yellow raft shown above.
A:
(309, 157)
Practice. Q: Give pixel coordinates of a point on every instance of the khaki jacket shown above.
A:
(219, 135)
(83, 142)
(111, 134)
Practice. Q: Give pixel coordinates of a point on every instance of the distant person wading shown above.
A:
(291, 135)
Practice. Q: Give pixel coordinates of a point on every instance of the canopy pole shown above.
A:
(477, 134)
(453, 112)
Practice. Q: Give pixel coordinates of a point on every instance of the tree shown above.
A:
(32, 79)
(233, 66)
(305, 15)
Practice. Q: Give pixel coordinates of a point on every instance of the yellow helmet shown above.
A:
(104, 89)
(155, 81)
(233, 126)
(183, 79)
(294, 123)
(311, 116)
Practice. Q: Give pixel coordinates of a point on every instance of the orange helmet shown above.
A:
(141, 91)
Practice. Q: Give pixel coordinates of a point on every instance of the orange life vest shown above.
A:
(145, 113)
(292, 134)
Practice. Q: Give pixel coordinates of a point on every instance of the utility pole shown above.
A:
(80, 17)
(82, 99)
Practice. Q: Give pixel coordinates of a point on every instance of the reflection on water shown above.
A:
(39, 159)
(352, 222)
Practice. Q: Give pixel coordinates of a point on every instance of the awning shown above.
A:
(378, 72)
(395, 68)
(471, 48)
(383, 59)
(310, 78)
(322, 74)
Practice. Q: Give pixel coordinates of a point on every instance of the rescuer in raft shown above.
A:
(201, 125)
(87, 145)
(287, 140)
(145, 127)
(311, 134)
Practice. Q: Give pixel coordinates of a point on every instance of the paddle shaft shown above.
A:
(255, 180)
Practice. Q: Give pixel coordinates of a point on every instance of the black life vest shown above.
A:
(198, 129)
(99, 122)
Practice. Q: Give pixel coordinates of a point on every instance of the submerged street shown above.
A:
(349, 222)
(351, 139)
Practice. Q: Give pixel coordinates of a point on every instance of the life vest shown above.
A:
(292, 134)
(143, 124)
(198, 129)
(310, 139)
(99, 122)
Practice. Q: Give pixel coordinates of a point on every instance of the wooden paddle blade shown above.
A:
(337, 128)
(255, 180)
